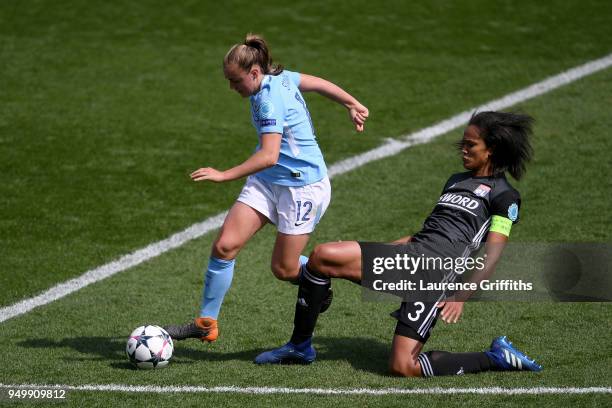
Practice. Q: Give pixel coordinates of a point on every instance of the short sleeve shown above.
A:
(507, 205)
(294, 77)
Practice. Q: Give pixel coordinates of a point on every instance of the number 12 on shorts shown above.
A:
(305, 206)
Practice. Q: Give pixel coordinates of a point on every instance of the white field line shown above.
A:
(319, 391)
(389, 148)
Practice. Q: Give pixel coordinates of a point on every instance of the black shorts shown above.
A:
(416, 320)
(418, 313)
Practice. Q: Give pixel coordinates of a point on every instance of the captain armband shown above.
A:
(501, 225)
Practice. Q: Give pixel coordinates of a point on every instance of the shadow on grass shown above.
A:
(362, 353)
(97, 348)
(112, 349)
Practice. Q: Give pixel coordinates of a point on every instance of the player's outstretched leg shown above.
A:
(502, 356)
(337, 259)
(437, 363)
(313, 290)
(506, 357)
(330, 293)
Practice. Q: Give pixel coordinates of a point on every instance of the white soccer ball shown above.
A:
(149, 347)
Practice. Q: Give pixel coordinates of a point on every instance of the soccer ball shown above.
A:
(149, 347)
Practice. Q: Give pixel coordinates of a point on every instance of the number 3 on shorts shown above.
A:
(307, 206)
(421, 307)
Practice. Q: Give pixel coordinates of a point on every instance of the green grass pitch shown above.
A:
(105, 108)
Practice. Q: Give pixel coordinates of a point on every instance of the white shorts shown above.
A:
(294, 210)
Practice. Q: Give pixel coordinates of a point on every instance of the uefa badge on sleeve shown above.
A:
(513, 212)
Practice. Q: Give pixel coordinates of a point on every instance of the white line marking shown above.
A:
(389, 148)
(394, 146)
(109, 269)
(232, 389)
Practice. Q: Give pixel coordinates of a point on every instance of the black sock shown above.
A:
(313, 290)
(434, 363)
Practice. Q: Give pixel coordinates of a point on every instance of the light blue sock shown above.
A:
(303, 260)
(218, 281)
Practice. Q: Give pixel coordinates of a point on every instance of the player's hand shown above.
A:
(358, 114)
(451, 311)
(208, 173)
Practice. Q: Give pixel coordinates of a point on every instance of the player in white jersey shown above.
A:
(287, 183)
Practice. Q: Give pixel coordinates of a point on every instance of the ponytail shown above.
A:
(253, 50)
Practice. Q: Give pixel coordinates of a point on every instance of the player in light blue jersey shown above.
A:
(287, 183)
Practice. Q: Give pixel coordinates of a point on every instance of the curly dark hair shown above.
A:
(507, 134)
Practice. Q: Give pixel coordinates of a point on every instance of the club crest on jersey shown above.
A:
(513, 212)
(482, 190)
(285, 81)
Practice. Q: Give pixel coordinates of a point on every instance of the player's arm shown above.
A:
(357, 112)
(504, 213)
(265, 157)
(403, 240)
(496, 241)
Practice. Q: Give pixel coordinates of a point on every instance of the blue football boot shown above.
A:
(507, 357)
(288, 354)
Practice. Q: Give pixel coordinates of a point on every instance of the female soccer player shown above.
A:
(287, 182)
(476, 204)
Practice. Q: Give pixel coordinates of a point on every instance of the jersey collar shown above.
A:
(264, 82)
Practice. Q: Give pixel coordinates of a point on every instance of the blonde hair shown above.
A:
(253, 50)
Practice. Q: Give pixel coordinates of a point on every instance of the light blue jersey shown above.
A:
(279, 107)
